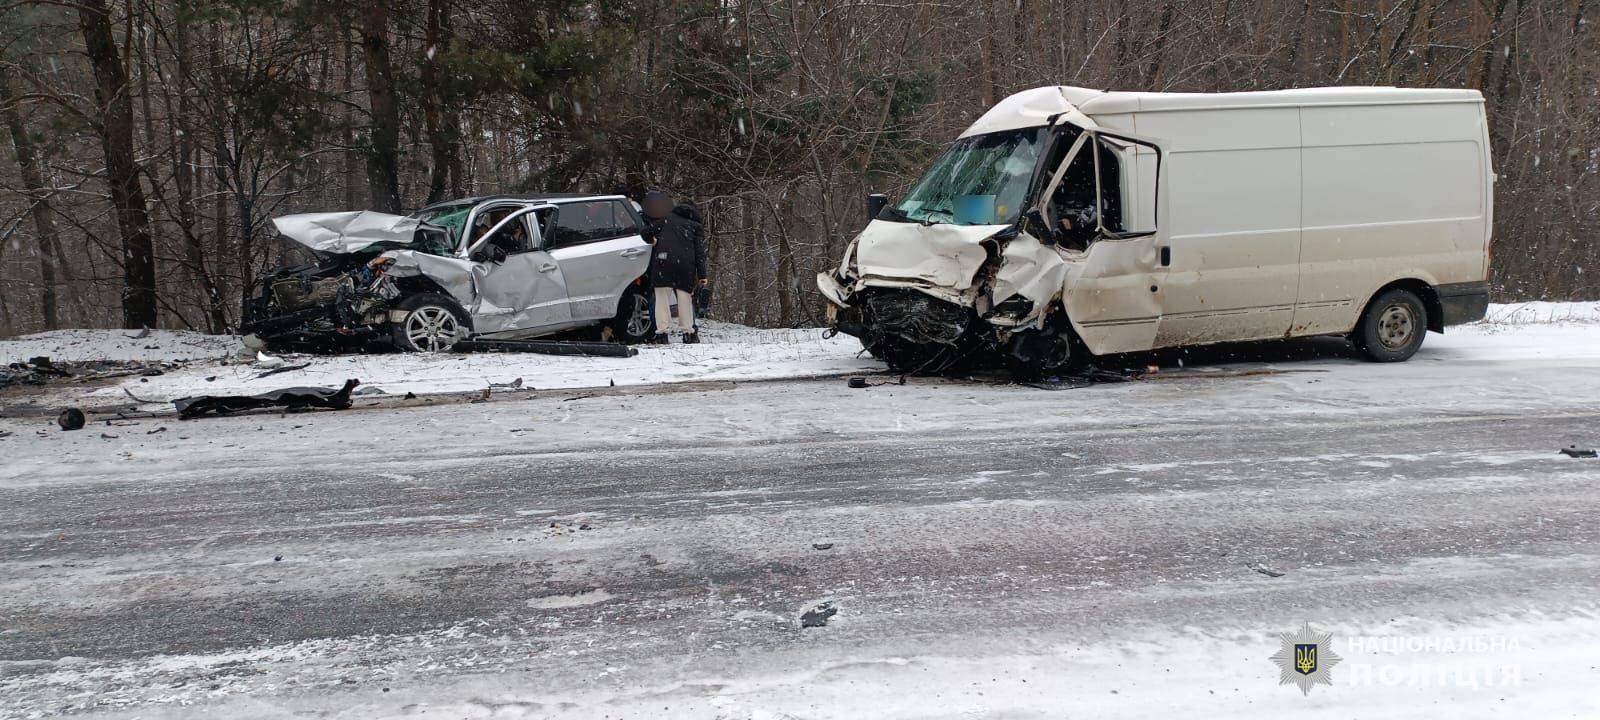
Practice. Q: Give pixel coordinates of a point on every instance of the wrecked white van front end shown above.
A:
(926, 298)
(957, 271)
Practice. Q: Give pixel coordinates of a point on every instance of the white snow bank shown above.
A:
(726, 352)
(92, 345)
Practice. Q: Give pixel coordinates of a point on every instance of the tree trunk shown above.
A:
(383, 159)
(122, 173)
(38, 201)
(441, 120)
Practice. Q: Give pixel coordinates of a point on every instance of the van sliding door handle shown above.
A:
(1166, 256)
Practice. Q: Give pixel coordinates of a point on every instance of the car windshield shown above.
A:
(449, 217)
(980, 180)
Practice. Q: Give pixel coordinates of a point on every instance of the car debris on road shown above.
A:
(295, 398)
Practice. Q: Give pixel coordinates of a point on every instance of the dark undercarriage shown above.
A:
(918, 334)
(340, 303)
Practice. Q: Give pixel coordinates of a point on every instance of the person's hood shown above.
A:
(341, 233)
(687, 210)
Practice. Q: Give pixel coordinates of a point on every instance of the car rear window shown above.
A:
(590, 221)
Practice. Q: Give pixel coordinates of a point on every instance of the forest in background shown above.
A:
(148, 143)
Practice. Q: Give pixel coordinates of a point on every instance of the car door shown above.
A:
(600, 250)
(522, 293)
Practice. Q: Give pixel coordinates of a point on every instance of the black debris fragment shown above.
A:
(857, 382)
(1264, 570)
(582, 348)
(71, 419)
(295, 398)
(411, 396)
(821, 546)
(818, 616)
(277, 558)
(1573, 451)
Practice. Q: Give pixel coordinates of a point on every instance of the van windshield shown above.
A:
(980, 180)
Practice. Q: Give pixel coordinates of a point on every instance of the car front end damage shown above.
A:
(346, 299)
(939, 298)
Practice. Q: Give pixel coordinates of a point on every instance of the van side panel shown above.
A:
(1390, 192)
(1233, 223)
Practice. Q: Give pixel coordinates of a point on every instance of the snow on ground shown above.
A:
(219, 365)
(1451, 536)
(92, 345)
(726, 352)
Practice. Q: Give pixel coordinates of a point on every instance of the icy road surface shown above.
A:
(1127, 550)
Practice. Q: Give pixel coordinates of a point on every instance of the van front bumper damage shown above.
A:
(934, 299)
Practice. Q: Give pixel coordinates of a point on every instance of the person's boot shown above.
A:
(661, 339)
(691, 338)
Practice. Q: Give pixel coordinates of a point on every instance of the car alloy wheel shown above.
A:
(431, 328)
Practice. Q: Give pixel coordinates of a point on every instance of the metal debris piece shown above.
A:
(1264, 570)
(818, 616)
(821, 546)
(1573, 451)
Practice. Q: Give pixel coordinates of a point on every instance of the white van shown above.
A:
(1068, 221)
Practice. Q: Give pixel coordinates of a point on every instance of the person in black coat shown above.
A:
(679, 263)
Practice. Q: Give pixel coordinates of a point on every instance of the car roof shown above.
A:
(554, 198)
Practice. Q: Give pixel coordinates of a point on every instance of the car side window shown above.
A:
(589, 221)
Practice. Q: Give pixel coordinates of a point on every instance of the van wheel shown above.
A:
(633, 323)
(1392, 328)
(433, 324)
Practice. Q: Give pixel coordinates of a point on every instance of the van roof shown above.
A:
(1036, 107)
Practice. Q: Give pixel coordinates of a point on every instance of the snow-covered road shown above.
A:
(993, 550)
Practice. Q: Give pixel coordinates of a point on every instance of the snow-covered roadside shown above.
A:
(217, 367)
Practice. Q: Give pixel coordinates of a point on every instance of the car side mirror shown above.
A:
(497, 254)
(876, 202)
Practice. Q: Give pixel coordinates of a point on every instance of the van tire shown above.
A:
(428, 315)
(1392, 327)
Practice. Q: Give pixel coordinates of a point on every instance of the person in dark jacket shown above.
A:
(679, 263)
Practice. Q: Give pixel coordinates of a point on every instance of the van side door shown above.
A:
(601, 252)
(1107, 205)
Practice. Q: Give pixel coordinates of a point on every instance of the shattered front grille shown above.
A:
(916, 317)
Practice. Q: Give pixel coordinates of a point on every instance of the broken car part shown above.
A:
(296, 398)
(1573, 451)
(71, 419)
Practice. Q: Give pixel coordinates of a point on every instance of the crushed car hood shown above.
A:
(939, 256)
(342, 233)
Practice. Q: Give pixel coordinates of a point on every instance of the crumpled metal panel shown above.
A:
(1033, 270)
(455, 275)
(941, 256)
(347, 232)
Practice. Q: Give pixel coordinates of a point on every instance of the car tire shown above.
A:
(433, 324)
(633, 323)
(1392, 327)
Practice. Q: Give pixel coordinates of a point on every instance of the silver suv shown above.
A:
(505, 267)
